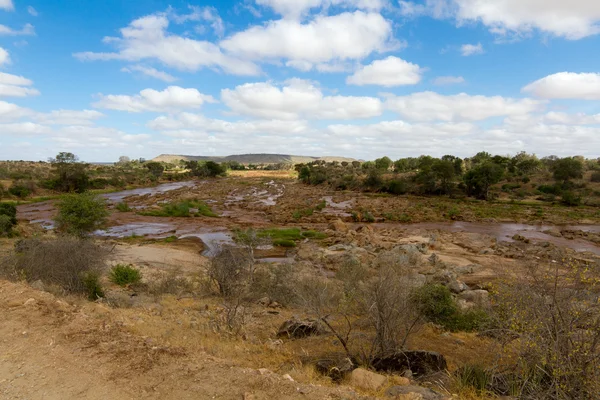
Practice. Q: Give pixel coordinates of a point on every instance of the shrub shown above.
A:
(93, 288)
(124, 275)
(397, 187)
(6, 225)
(80, 214)
(182, 209)
(69, 263)
(19, 191)
(123, 207)
(9, 210)
(595, 176)
(284, 243)
(570, 199)
(474, 376)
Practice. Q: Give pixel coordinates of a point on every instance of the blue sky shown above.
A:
(357, 78)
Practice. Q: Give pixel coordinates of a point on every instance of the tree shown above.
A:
(383, 163)
(567, 168)
(444, 170)
(479, 179)
(80, 214)
(155, 168)
(70, 174)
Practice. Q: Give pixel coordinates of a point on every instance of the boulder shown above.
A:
(367, 380)
(420, 362)
(479, 297)
(413, 392)
(339, 226)
(296, 329)
(457, 286)
(336, 369)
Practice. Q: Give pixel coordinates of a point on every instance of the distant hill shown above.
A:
(251, 158)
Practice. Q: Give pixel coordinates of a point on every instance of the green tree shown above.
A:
(80, 214)
(479, 179)
(567, 168)
(70, 174)
(444, 170)
(155, 168)
(383, 163)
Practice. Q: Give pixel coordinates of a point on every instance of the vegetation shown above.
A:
(8, 218)
(124, 275)
(186, 208)
(80, 214)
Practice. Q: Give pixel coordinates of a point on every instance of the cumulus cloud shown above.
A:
(172, 98)
(296, 8)
(566, 85)
(471, 49)
(4, 57)
(16, 86)
(11, 112)
(346, 36)
(68, 117)
(27, 30)
(391, 71)
(431, 106)
(448, 80)
(200, 14)
(6, 5)
(569, 19)
(151, 72)
(297, 99)
(147, 38)
(32, 11)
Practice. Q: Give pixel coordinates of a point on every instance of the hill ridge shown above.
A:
(252, 158)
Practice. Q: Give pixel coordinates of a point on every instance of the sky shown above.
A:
(353, 78)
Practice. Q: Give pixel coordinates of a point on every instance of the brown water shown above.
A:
(151, 191)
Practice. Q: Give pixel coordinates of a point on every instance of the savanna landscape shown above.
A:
(282, 277)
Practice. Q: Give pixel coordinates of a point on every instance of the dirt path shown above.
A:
(51, 349)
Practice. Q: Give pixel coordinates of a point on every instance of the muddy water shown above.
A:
(163, 188)
(506, 231)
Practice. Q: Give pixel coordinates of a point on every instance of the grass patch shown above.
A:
(284, 243)
(170, 239)
(124, 275)
(123, 207)
(186, 208)
(290, 234)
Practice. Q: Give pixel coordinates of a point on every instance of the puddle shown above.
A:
(155, 230)
(337, 209)
(212, 240)
(162, 188)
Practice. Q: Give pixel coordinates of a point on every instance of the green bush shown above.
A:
(6, 225)
(123, 207)
(570, 199)
(123, 275)
(474, 376)
(595, 176)
(284, 243)
(9, 210)
(80, 214)
(19, 191)
(182, 209)
(436, 304)
(91, 281)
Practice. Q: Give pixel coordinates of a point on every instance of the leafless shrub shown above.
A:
(66, 262)
(555, 314)
(172, 283)
(275, 282)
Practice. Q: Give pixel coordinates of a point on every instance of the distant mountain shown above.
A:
(251, 158)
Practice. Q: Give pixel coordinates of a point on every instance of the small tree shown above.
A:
(80, 214)
(567, 168)
(70, 174)
(155, 168)
(479, 179)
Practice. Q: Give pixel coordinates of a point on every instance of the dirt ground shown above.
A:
(139, 345)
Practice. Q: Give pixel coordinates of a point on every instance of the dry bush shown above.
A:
(173, 283)
(555, 316)
(69, 263)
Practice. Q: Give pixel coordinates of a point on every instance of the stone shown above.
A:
(335, 369)
(457, 286)
(339, 226)
(38, 285)
(480, 297)
(420, 362)
(296, 329)
(409, 396)
(367, 380)
(288, 377)
(425, 393)
(30, 302)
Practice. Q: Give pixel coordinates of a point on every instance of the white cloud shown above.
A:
(346, 36)
(32, 11)
(4, 57)
(19, 129)
(430, 106)
(7, 5)
(27, 30)
(471, 49)
(297, 99)
(566, 85)
(296, 8)
(15, 86)
(391, 71)
(448, 80)
(151, 72)
(172, 98)
(207, 14)
(67, 117)
(569, 19)
(147, 38)
(11, 112)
